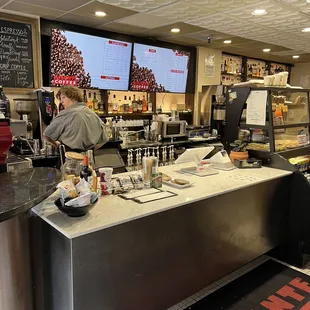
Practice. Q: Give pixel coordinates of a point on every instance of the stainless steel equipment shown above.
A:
(173, 129)
(24, 106)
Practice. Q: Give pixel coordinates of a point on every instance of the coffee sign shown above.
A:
(16, 55)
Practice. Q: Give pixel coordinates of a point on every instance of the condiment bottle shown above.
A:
(86, 171)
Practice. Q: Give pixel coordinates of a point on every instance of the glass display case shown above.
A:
(271, 119)
(275, 124)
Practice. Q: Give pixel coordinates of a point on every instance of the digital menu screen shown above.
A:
(158, 69)
(89, 61)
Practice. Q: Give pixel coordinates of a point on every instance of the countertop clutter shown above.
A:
(22, 190)
(113, 210)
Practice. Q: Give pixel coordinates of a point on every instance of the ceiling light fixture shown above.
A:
(308, 1)
(227, 41)
(175, 30)
(306, 29)
(297, 56)
(100, 14)
(266, 50)
(259, 12)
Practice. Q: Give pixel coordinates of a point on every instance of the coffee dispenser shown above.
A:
(47, 111)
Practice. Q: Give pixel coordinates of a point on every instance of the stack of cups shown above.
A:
(105, 180)
(150, 166)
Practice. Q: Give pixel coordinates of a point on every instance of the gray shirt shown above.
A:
(77, 127)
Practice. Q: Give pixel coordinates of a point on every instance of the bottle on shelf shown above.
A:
(144, 104)
(134, 104)
(90, 103)
(5, 108)
(126, 105)
(115, 104)
(120, 106)
(130, 104)
(228, 66)
(139, 105)
(100, 108)
(86, 171)
(149, 103)
(95, 104)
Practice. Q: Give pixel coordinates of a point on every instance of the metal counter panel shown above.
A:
(154, 262)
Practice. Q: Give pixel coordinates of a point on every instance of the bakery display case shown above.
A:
(275, 124)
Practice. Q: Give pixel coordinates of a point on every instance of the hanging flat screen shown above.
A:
(89, 61)
(158, 69)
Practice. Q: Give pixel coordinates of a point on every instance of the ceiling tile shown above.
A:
(34, 10)
(165, 30)
(80, 20)
(182, 40)
(121, 28)
(64, 5)
(138, 5)
(148, 21)
(183, 11)
(3, 2)
(113, 12)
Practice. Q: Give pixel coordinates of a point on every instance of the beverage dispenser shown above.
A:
(47, 111)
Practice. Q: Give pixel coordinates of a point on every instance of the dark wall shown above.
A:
(47, 25)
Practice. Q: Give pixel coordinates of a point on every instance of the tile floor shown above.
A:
(229, 278)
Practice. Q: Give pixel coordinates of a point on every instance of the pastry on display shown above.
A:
(166, 177)
(180, 182)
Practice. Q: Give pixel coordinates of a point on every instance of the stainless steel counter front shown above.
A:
(123, 256)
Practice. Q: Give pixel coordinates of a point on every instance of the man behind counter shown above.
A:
(77, 127)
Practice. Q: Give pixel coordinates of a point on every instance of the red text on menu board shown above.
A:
(177, 71)
(113, 78)
(64, 80)
(118, 43)
(139, 85)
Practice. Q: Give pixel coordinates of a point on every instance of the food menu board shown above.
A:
(158, 69)
(89, 61)
(16, 59)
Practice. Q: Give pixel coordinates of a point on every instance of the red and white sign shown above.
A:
(64, 80)
(151, 50)
(118, 43)
(177, 71)
(140, 85)
(113, 78)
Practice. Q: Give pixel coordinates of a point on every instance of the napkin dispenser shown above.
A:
(221, 161)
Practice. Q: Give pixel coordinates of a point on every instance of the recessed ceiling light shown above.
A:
(266, 50)
(259, 12)
(306, 29)
(175, 30)
(297, 56)
(100, 14)
(227, 41)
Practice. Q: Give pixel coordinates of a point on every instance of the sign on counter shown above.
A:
(256, 108)
(16, 58)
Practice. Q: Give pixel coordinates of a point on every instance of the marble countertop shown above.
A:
(22, 190)
(113, 210)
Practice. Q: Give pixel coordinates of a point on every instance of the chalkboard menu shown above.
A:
(16, 58)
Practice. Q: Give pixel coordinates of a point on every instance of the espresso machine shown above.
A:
(36, 115)
(218, 114)
(23, 142)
